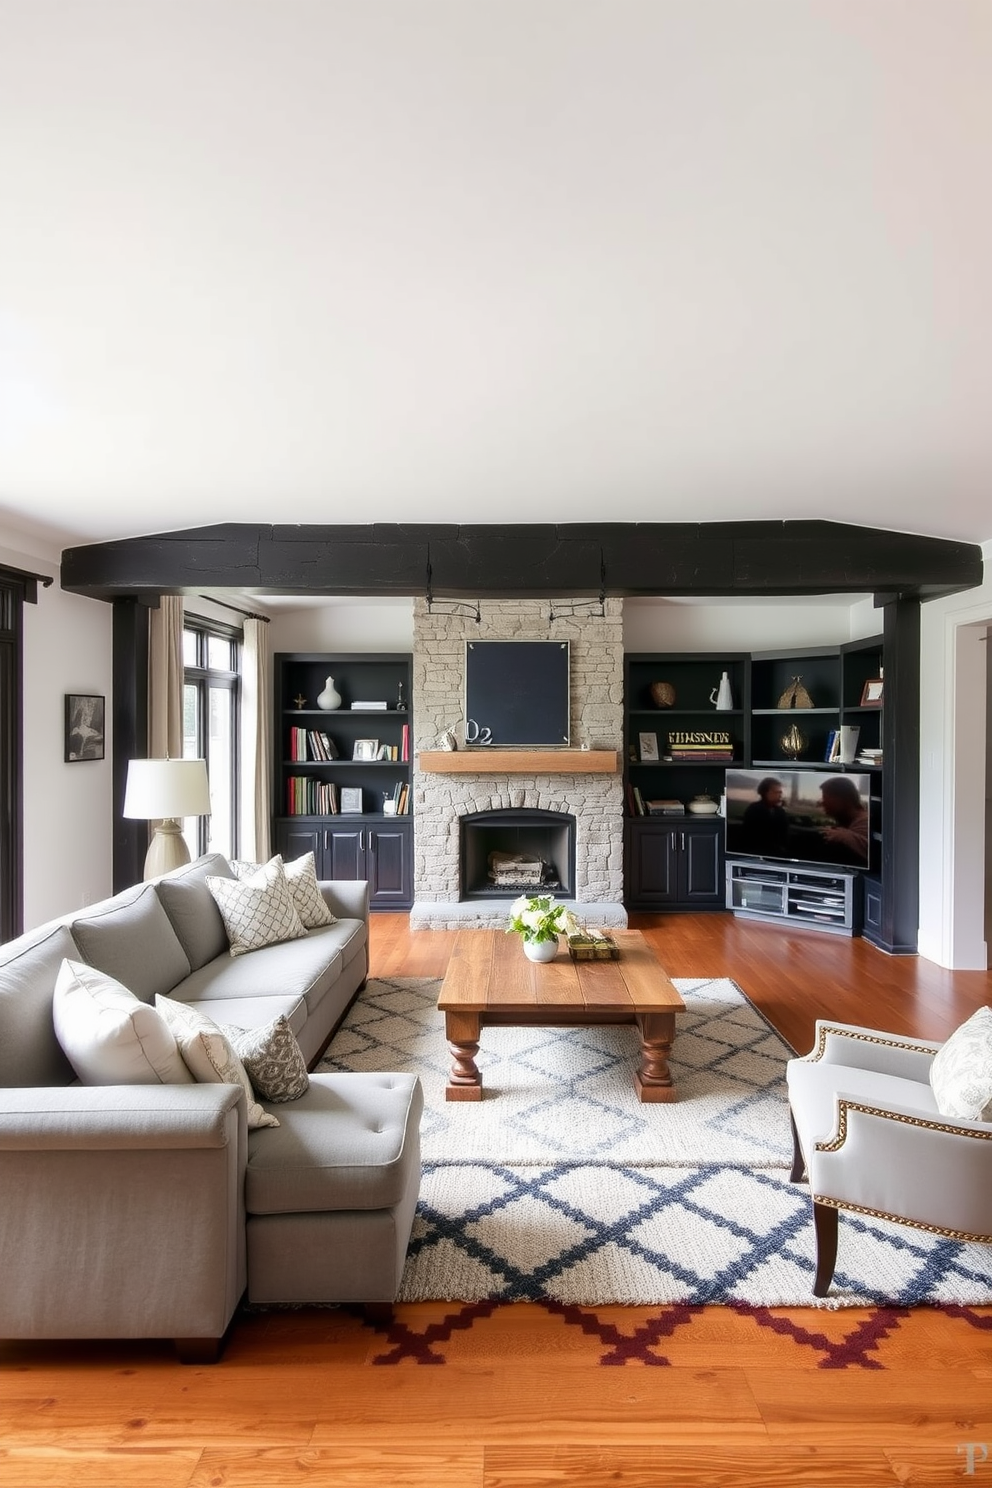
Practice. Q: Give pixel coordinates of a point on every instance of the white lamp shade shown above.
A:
(160, 788)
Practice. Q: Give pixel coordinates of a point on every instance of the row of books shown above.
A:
(308, 744)
(638, 806)
(842, 744)
(306, 796)
(401, 798)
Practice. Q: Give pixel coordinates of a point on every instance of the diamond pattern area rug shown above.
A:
(559, 1186)
(567, 1094)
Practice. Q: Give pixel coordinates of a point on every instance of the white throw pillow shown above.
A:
(208, 1054)
(109, 1036)
(257, 911)
(961, 1073)
(273, 1059)
(301, 875)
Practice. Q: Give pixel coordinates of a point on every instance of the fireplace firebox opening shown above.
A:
(510, 852)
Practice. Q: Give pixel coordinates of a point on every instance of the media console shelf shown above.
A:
(816, 900)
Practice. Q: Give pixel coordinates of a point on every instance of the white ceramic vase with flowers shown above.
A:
(539, 920)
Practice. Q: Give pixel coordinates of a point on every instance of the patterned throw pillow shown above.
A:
(257, 911)
(273, 1059)
(301, 875)
(207, 1053)
(961, 1073)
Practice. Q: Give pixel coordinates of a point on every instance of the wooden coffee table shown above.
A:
(491, 984)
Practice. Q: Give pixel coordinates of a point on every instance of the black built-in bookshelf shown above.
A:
(315, 797)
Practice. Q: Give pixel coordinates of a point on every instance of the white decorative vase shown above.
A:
(540, 950)
(330, 698)
(722, 697)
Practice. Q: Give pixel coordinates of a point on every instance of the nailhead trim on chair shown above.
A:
(916, 1224)
(940, 1126)
(864, 1038)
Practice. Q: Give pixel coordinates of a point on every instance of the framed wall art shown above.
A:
(85, 722)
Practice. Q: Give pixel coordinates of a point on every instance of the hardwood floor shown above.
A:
(532, 1396)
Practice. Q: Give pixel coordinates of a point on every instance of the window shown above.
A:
(211, 698)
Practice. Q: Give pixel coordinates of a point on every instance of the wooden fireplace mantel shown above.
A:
(487, 761)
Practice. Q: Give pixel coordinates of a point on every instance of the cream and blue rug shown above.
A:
(560, 1185)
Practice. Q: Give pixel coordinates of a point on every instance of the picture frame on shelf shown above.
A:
(648, 743)
(351, 801)
(871, 694)
(365, 749)
(85, 726)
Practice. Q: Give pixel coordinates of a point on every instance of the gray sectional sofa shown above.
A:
(149, 1211)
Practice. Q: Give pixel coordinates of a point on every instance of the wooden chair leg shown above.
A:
(825, 1220)
(798, 1174)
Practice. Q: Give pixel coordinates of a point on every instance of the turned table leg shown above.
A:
(464, 1081)
(653, 1078)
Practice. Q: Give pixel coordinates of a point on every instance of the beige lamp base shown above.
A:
(167, 849)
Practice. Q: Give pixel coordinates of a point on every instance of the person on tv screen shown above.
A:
(848, 837)
(765, 823)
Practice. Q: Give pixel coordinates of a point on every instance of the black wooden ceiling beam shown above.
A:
(526, 561)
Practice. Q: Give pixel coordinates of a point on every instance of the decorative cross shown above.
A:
(300, 700)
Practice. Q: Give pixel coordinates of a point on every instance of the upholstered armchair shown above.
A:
(872, 1133)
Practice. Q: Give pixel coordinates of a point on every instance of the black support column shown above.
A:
(130, 713)
(900, 779)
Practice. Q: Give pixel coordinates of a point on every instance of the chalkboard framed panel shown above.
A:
(517, 693)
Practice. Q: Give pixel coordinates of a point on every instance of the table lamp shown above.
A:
(164, 791)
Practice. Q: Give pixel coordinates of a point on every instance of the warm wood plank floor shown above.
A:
(523, 1399)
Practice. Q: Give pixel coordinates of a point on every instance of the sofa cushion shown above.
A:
(207, 1052)
(273, 1059)
(301, 875)
(246, 1012)
(961, 1072)
(111, 1037)
(30, 1053)
(298, 968)
(131, 939)
(257, 911)
(346, 1144)
(192, 909)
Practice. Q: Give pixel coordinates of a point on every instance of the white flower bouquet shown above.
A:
(537, 917)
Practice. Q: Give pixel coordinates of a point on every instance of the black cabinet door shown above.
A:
(701, 865)
(652, 864)
(293, 841)
(389, 865)
(344, 852)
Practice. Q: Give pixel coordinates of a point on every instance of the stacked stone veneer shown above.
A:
(439, 801)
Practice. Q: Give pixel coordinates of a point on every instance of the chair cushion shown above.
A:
(257, 911)
(111, 1037)
(301, 875)
(343, 1145)
(192, 909)
(131, 939)
(207, 1052)
(961, 1072)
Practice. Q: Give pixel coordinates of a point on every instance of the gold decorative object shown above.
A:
(662, 694)
(300, 700)
(794, 742)
(795, 695)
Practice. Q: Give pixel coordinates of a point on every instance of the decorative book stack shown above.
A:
(700, 746)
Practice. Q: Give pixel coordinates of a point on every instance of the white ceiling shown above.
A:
(495, 260)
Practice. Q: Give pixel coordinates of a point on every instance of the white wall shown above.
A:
(953, 772)
(718, 625)
(344, 625)
(67, 807)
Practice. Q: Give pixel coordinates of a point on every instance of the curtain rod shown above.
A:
(248, 614)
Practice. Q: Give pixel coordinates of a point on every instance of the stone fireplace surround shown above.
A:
(441, 800)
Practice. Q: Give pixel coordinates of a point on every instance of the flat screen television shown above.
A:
(799, 816)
